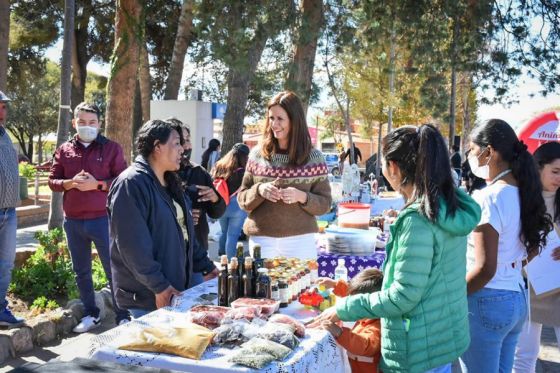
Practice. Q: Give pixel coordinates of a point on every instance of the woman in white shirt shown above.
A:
(545, 308)
(512, 228)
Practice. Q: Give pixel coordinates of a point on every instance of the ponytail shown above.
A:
(535, 222)
(422, 157)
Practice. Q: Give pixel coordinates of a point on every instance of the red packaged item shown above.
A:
(208, 316)
(285, 319)
(311, 298)
(266, 306)
(243, 313)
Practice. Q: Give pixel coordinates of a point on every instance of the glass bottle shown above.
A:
(264, 287)
(248, 278)
(233, 281)
(223, 282)
(283, 293)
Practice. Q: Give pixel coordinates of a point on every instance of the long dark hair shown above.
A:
(422, 157)
(535, 222)
(236, 158)
(159, 130)
(299, 145)
(545, 154)
(212, 146)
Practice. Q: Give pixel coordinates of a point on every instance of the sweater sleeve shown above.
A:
(56, 176)
(365, 342)
(413, 265)
(319, 198)
(249, 197)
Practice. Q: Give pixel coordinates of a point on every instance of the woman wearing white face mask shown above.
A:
(512, 229)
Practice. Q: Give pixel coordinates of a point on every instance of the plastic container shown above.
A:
(266, 306)
(349, 241)
(353, 215)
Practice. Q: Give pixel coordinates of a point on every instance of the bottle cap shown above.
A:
(341, 261)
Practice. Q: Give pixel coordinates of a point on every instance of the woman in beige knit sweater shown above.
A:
(285, 184)
(545, 309)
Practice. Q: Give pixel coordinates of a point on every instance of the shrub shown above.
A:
(27, 170)
(48, 272)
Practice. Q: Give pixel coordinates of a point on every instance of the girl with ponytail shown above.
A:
(512, 229)
(423, 301)
(545, 308)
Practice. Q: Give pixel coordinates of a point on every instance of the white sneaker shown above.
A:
(87, 323)
(124, 321)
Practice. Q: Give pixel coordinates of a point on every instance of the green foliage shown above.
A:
(43, 304)
(27, 170)
(48, 272)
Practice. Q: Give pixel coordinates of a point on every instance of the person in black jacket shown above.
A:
(231, 168)
(197, 182)
(151, 224)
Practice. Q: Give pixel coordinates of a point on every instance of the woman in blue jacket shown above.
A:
(151, 222)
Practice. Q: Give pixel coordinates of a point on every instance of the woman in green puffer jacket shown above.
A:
(423, 303)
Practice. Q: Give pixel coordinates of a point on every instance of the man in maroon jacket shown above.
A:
(83, 169)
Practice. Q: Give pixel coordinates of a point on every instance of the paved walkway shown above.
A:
(78, 345)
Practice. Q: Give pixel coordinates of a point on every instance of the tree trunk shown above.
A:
(239, 79)
(129, 33)
(4, 42)
(392, 62)
(40, 144)
(453, 97)
(80, 57)
(182, 41)
(55, 213)
(300, 73)
(137, 113)
(378, 161)
(144, 83)
(29, 152)
(466, 112)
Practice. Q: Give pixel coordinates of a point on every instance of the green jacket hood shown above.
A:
(464, 220)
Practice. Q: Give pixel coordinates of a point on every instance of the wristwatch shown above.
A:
(100, 185)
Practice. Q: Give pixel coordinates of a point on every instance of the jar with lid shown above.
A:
(275, 293)
(283, 293)
(263, 288)
(290, 288)
(303, 280)
(307, 278)
(295, 286)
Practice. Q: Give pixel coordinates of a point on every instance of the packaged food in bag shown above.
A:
(208, 316)
(251, 359)
(279, 333)
(243, 313)
(231, 333)
(266, 306)
(259, 345)
(190, 341)
(285, 319)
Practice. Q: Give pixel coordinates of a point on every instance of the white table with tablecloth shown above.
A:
(317, 351)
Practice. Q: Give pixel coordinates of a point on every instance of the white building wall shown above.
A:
(198, 116)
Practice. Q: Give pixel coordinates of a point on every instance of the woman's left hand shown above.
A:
(328, 315)
(292, 195)
(211, 275)
(205, 193)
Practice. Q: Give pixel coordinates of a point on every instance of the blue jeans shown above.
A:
(232, 224)
(80, 233)
(496, 318)
(441, 369)
(138, 312)
(8, 229)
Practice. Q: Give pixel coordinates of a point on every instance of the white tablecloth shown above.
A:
(317, 352)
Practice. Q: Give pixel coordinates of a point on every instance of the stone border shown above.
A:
(50, 326)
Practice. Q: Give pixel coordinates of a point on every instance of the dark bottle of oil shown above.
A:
(247, 279)
(258, 262)
(240, 261)
(233, 281)
(264, 285)
(223, 282)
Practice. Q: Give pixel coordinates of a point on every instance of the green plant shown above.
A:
(42, 304)
(48, 272)
(27, 170)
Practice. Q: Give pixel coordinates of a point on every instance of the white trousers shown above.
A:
(302, 246)
(527, 350)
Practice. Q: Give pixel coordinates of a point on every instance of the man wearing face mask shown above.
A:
(205, 200)
(83, 169)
